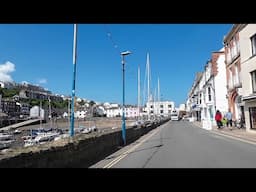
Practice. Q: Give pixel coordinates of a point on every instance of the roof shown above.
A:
(235, 29)
(198, 76)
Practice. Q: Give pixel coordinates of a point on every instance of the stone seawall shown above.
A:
(80, 151)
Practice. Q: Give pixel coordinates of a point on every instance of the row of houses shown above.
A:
(160, 108)
(228, 81)
(14, 107)
(27, 90)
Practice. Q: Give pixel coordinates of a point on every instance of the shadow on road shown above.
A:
(156, 146)
(155, 140)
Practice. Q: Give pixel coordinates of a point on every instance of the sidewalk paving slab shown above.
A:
(235, 132)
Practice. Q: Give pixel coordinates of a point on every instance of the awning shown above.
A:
(250, 97)
(196, 109)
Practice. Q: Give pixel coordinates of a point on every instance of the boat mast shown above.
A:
(158, 96)
(50, 112)
(148, 72)
(155, 104)
(40, 107)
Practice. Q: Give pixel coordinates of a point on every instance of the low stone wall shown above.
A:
(79, 151)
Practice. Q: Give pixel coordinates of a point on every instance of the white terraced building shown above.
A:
(163, 108)
(130, 112)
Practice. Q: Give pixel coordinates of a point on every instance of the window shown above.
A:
(232, 50)
(161, 111)
(253, 77)
(252, 112)
(238, 45)
(237, 79)
(151, 106)
(200, 98)
(228, 55)
(230, 78)
(209, 94)
(170, 106)
(161, 106)
(235, 47)
(253, 41)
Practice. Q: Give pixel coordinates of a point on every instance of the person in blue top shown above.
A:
(229, 119)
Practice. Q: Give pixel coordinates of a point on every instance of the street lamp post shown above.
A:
(123, 54)
(73, 83)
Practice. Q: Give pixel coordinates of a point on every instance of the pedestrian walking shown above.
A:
(218, 118)
(229, 119)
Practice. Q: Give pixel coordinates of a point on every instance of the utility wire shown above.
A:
(111, 39)
(129, 70)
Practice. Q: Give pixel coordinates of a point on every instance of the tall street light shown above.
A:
(123, 54)
(74, 83)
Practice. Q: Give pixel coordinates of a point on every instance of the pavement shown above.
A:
(241, 134)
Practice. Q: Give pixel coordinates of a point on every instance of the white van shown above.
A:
(174, 117)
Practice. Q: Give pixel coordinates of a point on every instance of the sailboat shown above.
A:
(151, 99)
(42, 134)
(148, 97)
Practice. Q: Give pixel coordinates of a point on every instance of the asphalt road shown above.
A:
(180, 144)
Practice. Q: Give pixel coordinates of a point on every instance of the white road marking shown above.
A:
(232, 137)
(236, 138)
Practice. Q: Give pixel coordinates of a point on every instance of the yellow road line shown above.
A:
(116, 160)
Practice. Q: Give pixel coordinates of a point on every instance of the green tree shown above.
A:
(34, 102)
(6, 93)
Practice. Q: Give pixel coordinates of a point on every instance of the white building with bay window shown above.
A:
(248, 75)
(159, 108)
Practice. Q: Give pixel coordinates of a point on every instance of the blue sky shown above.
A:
(42, 54)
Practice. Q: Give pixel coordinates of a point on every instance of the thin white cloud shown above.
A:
(5, 70)
(42, 81)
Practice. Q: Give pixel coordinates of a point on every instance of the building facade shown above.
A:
(130, 112)
(248, 75)
(159, 108)
(213, 88)
(9, 107)
(220, 81)
(209, 92)
(233, 71)
(36, 92)
(206, 94)
(193, 102)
